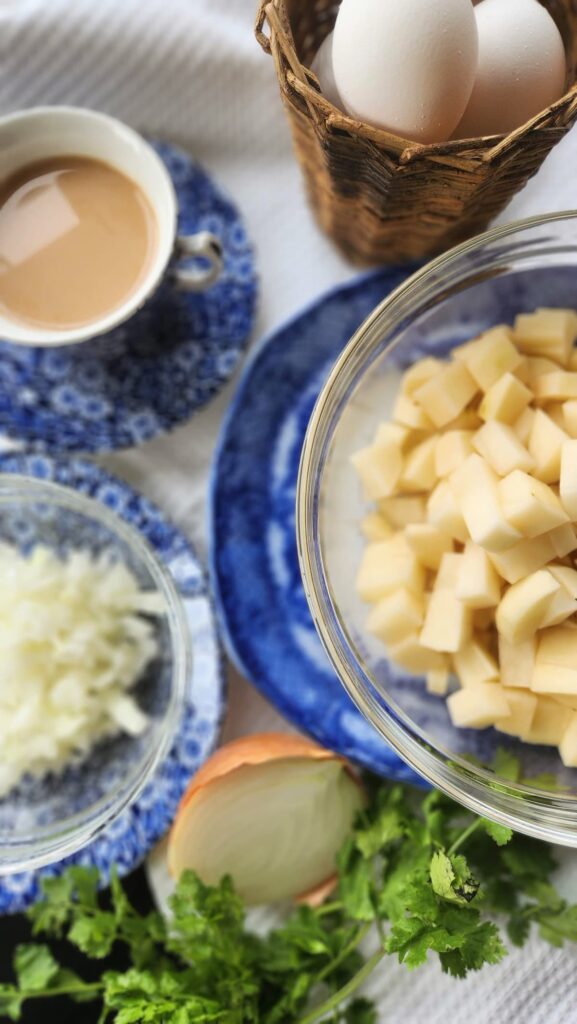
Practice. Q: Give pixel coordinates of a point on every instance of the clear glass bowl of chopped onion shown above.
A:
(94, 661)
(452, 716)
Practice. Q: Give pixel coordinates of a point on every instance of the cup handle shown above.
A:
(207, 246)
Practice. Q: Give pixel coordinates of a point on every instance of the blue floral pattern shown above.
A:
(151, 373)
(127, 841)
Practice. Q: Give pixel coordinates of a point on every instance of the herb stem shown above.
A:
(347, 990)
(65, 990)
(344, 953)
(463, 836)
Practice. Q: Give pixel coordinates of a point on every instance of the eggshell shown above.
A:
(322, 66)
(521, 67)
(406, 65)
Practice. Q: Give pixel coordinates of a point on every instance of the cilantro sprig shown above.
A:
(427, 876)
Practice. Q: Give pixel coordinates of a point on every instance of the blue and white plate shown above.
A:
(254, 565)
(150, 374)
(126, 843)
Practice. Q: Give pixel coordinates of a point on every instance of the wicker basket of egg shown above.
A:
(415, 122)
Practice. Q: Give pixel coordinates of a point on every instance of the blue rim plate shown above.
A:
(256, 580)
(152, 373)
(126, 843)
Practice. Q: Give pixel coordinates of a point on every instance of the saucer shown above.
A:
(126, 842)
(150, 374)
(259, 595)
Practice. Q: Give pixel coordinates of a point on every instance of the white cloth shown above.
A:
(191, 71)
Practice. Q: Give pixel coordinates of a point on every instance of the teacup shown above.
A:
(46, 133)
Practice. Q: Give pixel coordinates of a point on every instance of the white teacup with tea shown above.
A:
(88, 227)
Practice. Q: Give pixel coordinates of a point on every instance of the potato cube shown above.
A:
(479, 706)
(505, 400)
(447, 394)
(524, 425)
(547, 332)
(537, 367)
(524, 605)
(554, 411)
(438, 682)
(411, 654)
(530, 505)
(403, 509)
(443, 511)
(545, 444)
(523, 705)
(419, 374)
(386, 566)
(408, 414)
(477, 583)
(492, 356)
(375, 527)
(558, 646)
(568, 478)
(379, 470)
(449, 569)
(475, 487)
(469, 419)
(396, 616)
(523, 559)
(559, 385)
(419, 473)
(388, 434)
(550, 721)
(451, 451)
(563, 540)
(568, 744)
(517, 661)
(566, 576)
(502, 449)
(570, 418)
(448, 623)
(474, 664)
(429, 543)
(562, 607)
(568, 700)
(554, 679)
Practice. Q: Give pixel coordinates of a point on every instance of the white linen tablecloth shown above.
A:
(191, 71)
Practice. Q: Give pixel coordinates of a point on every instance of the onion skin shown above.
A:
(257, 749)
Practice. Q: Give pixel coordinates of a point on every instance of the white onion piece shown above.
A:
(275, 827)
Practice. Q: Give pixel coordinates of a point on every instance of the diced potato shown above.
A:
(523, 705)
(443, 511)
(477, 583)
(563, 540)
(474, 664)
(396, 616)
(449, 569)
(447, 394)
(558, 647)
(492, 356)
(530, 505)
(448, 623)
(505, 400)
(408, 414)
(523, 559)
(561, 608)
(554, 411)
(559, 385)
(521, 372)
(568, 700)
(549, 723)
(387, 566)
(477, 707)
(379, 470)
(524, 606)
(429, 543)
(475, 487)
(566, 576)
(547, 332)
(545, 444)
(517, 661)
(554, 679)
(502, 449)
(419, 374)
(388, 434)
(568, 743)
(469, 419)
(570, 418)
(375, 527)
(404, 509)
(451, 451)
(568, 478)
(419, 473)
(411, 654)
(537, 367)
(524, 425)
(438, 682)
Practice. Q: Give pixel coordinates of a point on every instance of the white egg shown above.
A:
(521, 67)
(322, 66)
(406, 65)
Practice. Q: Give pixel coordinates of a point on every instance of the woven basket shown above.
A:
(384, 199)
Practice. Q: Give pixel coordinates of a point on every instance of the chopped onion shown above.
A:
(73, 643)
(271, 811)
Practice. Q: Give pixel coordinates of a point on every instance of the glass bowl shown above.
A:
(45, 819)
(484, 282)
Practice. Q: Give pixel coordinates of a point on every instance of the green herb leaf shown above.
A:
(500, 834)
(35, 967)
(451, 878)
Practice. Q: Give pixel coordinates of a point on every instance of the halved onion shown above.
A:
(271, 811)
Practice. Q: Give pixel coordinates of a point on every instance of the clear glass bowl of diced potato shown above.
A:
(437, 523)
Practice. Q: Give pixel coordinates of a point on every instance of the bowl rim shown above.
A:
(54, 842)
(474, 786)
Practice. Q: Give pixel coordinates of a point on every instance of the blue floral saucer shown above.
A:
(149, 375)
(254, 565)
(126, 843)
